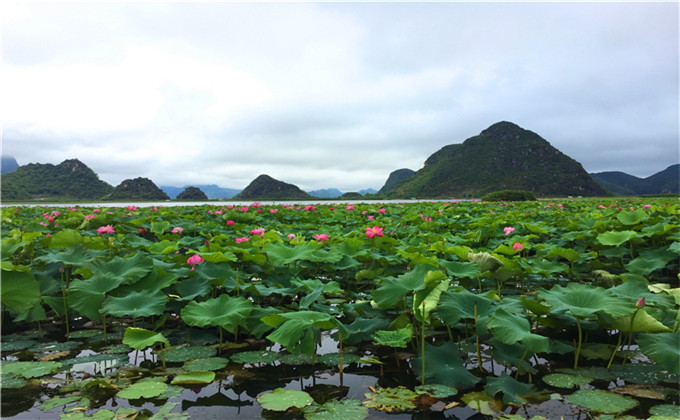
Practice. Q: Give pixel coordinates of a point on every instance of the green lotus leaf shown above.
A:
(392, 290)
(456, 304)
(482, 403)
(512, 389)
(333, 359)
(139, 338)
(485, 261)
(297, 359)
(182, 354)
(255, 356)
(463, 269)
(191, 378)
(362, 329)
(601, 401)
(616, 238)
(566, 253)
(630, 218)
(190, 289)
(146, 389)
(443, 365)
(296, 330)
(209, 363)
(87, 296)
(667, 410)
(644, 266)
(12, 382)
(225, 311)
(16, 345)
(349, 409)
(436, 390)
(53, 403)
(29, 369)
(542, 266)
(159, 227)
(663, 349)
(563, 380)
(643, 322)
(76, 255)
(391, 399)
(426, 300)
(66, 238)
(282, 254)
(509, 329)
(135, 304)
(130, 269)
(584, 301)
(394, 338)
(19, 290)
(283, 399)
(652, 392)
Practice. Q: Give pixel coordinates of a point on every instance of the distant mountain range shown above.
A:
(620, 183)
(212, 191)
(265, 187)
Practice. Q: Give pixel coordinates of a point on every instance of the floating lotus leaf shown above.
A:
(192, 378)
(436, 390)
(96, 358)
(482, 403)
(283, 399)
(53, 403)
(616, 238)
(209, 363)
(563, 380)
(147, 389)
(182, 354)
(297, 359)
(653, 392)
(139, 338)
(391, 399)
(8, 381)
(644, 373)
(394, 338)
(250, 357)
(485, 261)
(16, 345)
(281, 254)
(512, 389)
(29, 369)
(349, 409)
(52, 347)
(663, 349)
(666, 410)
(333, 359)
(84, 333)
(594, 372)
(601, 401)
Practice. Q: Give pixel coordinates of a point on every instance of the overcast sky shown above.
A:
(332, 95)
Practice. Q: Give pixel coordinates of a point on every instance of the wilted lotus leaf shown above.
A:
(191, 378)
(146, 389)
(436, 391)
(209, 363)
(483, 403)
(601, 401)
(391, 399)
(282, 399)
(563, 380)
(654, 392)
(350, 409)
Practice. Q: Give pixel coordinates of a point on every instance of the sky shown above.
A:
(331, 94)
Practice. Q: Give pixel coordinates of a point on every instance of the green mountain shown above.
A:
(139, 189)
(8, 164)
(621, 183)
(192, 193)
(212, 191)
(395, 178)
(265, 187)
(71, 179)
(502, 157)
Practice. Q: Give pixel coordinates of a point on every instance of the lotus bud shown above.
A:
(640, 303)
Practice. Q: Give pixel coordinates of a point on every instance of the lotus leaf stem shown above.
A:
(578, 346)
(519, 366)
(422, 340)
(630, 336)
(479, 353)
(616, 349)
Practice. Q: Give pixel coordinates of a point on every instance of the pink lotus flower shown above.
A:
(217, 212)
(89, 216)
(508, 230)
(244, 209)
(374, 231)
(646, 206)
(517, 247)
(177, 230)
(321, 237)
(349, 208)
(256, 204)
(96, 210)
(310, 208)
(291, 236)
(259, 231)
(371, 217)
(106, 229)
(194, 260)
(131, 208)
(230, 223)
(56, 214)
(273, 211)
(239, 240)
(382, 211)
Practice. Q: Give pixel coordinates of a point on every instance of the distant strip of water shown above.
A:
(221, 203)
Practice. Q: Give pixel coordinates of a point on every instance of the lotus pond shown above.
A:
(549, 309)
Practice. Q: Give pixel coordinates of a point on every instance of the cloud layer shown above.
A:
(332, 95)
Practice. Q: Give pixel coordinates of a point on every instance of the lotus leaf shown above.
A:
(630, 218)
(394, 338)
(209, 363)
(53, 403)
(8, 381)
(443, 365)
(361, 329)
(663, 349)
(513, 390)
(584, 301)
(251, 357)
(601, 401)
(182, 354)
(643, 322)
(29, 369)
(194, 378)
(349, 409)
(667, 410)
(616, 238)
(136, 304)
(146, 389)
(483, 403)
(282, 399)
(460, 303)
(333, 359)
(281, 254)
(654, 392)
(509, 329)
(563, 380)
(463, 269)
(485, 261)
(225, 311)
(87, 296)
(436, 391)
(392, 290)
(16, 345)
(391, 399)
(644, 266)
(297, 359)
(295, 330)
(19, 290)
(130, 269)
(139, 338)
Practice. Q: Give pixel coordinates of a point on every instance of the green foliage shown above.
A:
(509, 195)
(265, 187)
